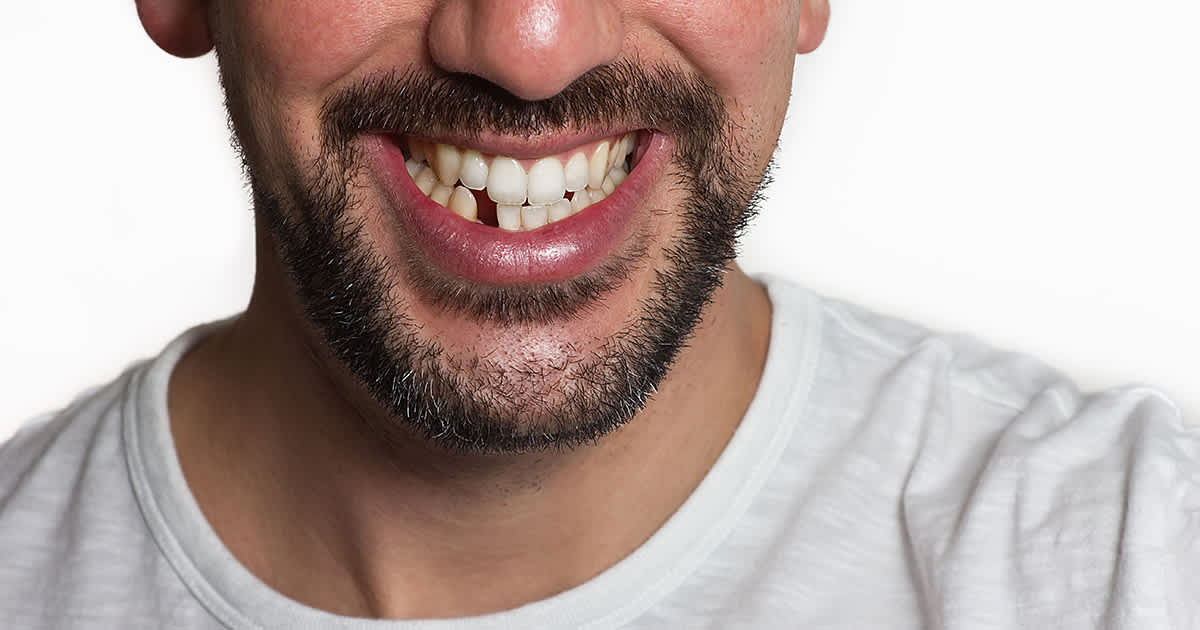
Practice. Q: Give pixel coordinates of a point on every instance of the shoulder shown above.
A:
(71, 532)
(44, 455)
(1081, 509)
(959, 376)
(1007, 409)
(1022, 499)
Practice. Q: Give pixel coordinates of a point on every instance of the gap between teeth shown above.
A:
(524, 200)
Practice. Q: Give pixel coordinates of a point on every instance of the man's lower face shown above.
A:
(504, 275)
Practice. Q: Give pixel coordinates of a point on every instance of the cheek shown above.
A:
(745, 49)
(729, 41)
(300, 47)
(292, 54)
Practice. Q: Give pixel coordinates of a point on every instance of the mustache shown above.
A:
(620, 95)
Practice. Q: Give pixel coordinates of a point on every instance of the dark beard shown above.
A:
(479, 406)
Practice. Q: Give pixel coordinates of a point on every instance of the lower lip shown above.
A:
(488, 255)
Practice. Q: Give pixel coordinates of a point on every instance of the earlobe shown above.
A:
(179, 27)
(814, 20)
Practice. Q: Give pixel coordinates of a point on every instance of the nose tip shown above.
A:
(531, 48)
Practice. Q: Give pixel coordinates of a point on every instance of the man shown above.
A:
(499, 370)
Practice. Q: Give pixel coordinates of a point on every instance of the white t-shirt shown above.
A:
(883, 477)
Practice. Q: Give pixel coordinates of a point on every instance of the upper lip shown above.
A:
(521, 147)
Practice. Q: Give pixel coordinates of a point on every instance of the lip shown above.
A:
(488, 255)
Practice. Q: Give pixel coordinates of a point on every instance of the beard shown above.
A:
(465, 400)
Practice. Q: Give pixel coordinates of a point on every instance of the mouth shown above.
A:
(511, 213)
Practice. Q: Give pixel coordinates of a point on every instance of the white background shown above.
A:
(1027, 172)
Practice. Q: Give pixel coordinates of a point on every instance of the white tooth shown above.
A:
(576, 172)
(546, 181)
(447, 161)
(533, 217)
(508, 217)
(598, 166)
(597, 195)
(618, 175)
(506, 181)
(414, 167)
(462, 203)
(426, 180)
(441, 194)
(559, 210)
(618, 149)
(630, 142)
(608, 186)
(580, 200)
(474, 170)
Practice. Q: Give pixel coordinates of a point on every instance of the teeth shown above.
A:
(448, 175)
(462, 203)
(474, 170)
(506, 181)
(598, 165)
(508, 217)
(623, 152)
(533, 217)
(426, 180)
(576, 173)
(441, 194)
(447, 161)
(546, 181)
(560, 209)
(580, 200)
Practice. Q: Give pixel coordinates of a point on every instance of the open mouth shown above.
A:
(519, 194)
(523, 213)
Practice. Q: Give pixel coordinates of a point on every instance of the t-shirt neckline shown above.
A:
(611, 599)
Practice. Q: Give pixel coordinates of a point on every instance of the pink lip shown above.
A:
(489, 255)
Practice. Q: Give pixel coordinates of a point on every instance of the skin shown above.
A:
(264, 420)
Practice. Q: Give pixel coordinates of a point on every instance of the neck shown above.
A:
(322, 511)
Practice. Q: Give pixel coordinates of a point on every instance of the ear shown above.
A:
(179, 27)
(814, 20)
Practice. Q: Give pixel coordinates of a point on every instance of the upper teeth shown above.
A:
(437, 168)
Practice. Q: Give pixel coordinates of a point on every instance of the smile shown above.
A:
(512, 215)
(524, 194)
